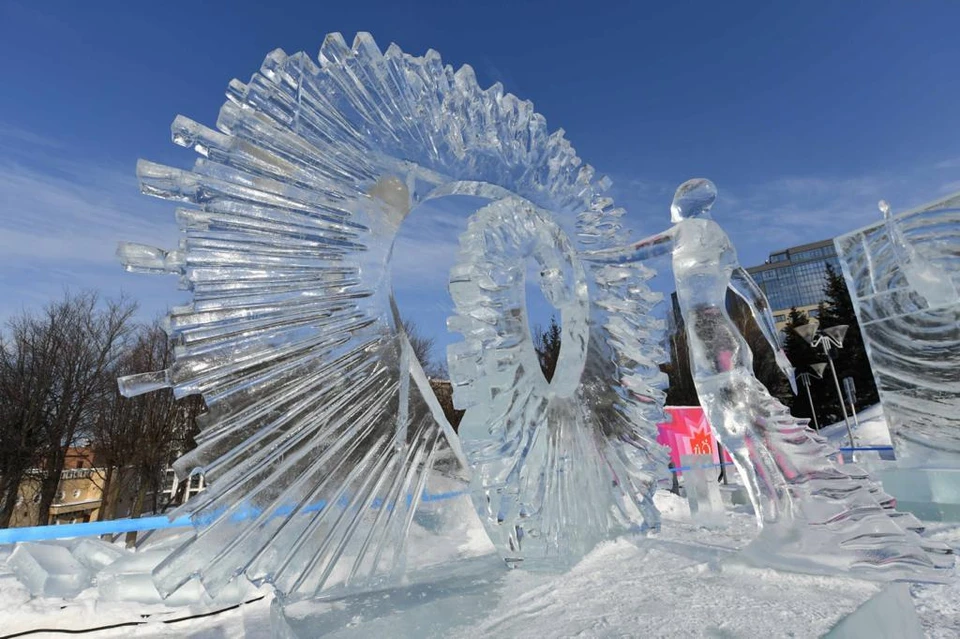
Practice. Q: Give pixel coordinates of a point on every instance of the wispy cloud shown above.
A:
(68, 211)
(952, 163)
(16, 137)
(765, 216)
(60, 221)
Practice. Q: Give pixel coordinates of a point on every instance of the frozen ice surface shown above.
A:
(703, 490)
(817, 515)
(557, 466)
(130, 579)
(903, 274)
(48, 570)
(322, 431)
(95, 554)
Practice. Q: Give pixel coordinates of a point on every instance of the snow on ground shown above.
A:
(685, 582)
(872, 430)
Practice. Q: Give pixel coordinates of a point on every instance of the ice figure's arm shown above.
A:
(743, 285)
(651, 247)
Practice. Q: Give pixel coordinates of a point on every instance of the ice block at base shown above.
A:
(703, 491)
(48, 570)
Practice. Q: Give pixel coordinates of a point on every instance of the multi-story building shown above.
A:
(78, 497)
(795, 277)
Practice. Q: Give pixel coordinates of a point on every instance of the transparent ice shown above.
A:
(703, 490)
(324, 447)
(95, 554)
(928, 278)
(557, 466)
(48, 570)
(903, 275)
(816, 514)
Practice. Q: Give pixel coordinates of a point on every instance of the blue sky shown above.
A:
(804, 114)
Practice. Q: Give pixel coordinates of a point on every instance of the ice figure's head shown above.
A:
(693, 199)
(884, 208)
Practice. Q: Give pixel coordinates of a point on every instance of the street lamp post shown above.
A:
(832, 336)
(817, 371)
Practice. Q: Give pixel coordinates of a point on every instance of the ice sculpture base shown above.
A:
(891, 614)
(704, 588)
(932, 494)
(461, 594)
(518, 604)
(703, 490)
(48, 570)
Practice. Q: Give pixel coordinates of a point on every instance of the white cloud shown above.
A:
(60, 221)
(952, 163)
(765, 216)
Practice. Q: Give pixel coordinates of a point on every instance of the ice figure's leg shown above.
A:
(738, 425)
(741, 461)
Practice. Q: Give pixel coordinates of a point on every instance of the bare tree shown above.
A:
(423, 348)
(138, 437)
(113, 434)
(26, 379)
(53, 365)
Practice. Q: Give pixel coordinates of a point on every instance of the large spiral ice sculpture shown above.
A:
(324, 446)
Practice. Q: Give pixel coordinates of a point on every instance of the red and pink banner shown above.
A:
(688, 433)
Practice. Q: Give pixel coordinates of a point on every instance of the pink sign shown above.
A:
(688, 433)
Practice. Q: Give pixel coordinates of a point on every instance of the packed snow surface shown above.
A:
(684, 582)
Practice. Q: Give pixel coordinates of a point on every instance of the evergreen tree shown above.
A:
(680, 389)
(803, 357)
(851, 360)
(547, 345)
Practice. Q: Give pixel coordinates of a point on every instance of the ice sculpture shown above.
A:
(560, 465)
(816, 515)
(703, 490)
(903, 275)
(324, 447)
(927, 278)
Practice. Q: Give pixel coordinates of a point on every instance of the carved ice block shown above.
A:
(703, 490)
(48, 570)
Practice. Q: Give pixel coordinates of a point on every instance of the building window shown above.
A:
(76, 493)
(60, 495)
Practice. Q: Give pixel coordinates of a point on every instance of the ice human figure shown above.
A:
(926, 278)
(324, 449)
(816, 515)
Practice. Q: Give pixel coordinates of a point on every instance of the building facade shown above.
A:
(795, 277)
(79, 495)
